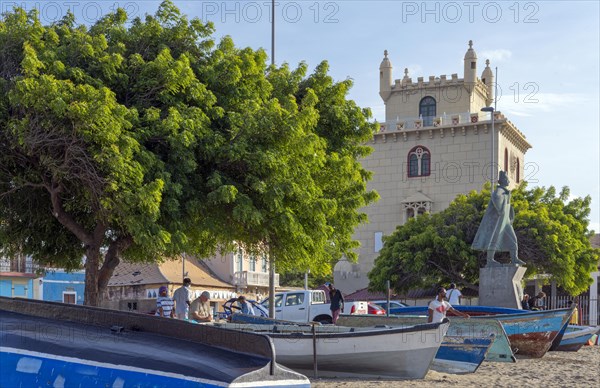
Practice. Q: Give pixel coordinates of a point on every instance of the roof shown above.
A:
(418, 293)
(167, 272)
(365, 294)
(127, 274)
(197, 273)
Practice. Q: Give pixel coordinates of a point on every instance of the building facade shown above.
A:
(248, 272)
(19, 278)
(435, 143)
(58, 285)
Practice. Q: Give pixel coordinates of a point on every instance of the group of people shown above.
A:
(535, 303)
(183, 305)
(437, 308)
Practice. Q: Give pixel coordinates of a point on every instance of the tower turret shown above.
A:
(470, 65)
(385, 77)
(488, 79)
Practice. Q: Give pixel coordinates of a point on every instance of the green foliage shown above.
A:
(552, 233)
(149, 140)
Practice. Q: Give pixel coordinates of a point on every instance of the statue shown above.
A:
(495, 232)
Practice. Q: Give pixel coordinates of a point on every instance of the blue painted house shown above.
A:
(58, 285)
(18, 277)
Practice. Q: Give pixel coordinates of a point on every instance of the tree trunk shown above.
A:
(91, 276)
(111, 261)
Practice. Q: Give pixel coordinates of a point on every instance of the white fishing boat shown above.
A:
(393, 352)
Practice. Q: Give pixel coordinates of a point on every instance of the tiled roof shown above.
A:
(172, 270)
(168, 272)
(365, 294)
(129, 274)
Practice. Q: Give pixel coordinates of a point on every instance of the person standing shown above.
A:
(438, 308)
(183, 297)
(454, 295)
(164, 304)
(200, 309)
(246, 307)
(575, 316)
(337, 302)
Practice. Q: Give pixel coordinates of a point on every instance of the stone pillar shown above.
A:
(501, 286)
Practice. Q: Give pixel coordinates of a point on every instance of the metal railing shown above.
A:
(589, 308)
(252, 278)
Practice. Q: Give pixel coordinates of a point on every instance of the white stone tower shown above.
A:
(434, 144)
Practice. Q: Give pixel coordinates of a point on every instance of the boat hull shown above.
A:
(394, 352)
(531, 333)
(575, 337)
(500, 350)
(66, 345)
(459, 355)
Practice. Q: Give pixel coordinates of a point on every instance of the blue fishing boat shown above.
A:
(576, 336)
(460, 354)
(531, 333)
(45, 343)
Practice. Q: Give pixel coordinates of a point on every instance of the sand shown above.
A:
(555, 369)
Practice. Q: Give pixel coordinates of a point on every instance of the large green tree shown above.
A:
(147, 140)
(432, 249)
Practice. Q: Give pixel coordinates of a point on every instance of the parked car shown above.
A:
(375, 309)
(394, 304)
(356, 307)
(301, 306)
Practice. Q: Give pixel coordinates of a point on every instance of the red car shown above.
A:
(375, 309)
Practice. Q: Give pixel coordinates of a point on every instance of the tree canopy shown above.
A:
(435, 249)
(147, 140)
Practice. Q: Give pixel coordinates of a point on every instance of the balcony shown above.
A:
(412, 123)
(18, 265)
(253, 279)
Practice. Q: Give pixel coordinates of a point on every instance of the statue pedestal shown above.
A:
(501, 286)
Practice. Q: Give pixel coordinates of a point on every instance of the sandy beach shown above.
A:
(555, 369)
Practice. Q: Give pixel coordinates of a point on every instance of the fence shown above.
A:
(589, 308)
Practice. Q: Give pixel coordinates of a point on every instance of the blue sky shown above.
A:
(547, 54)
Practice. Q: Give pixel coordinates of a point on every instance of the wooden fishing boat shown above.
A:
(398, 352)
(55, 344)
(576, 336)
(500, 349)
(531, 333)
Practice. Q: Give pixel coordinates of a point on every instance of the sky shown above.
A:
(546, 52)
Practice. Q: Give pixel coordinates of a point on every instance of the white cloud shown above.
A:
(497, 55)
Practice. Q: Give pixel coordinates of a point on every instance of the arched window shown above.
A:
(506, 160)
(419, 162)
(518, 171)
(427, 110)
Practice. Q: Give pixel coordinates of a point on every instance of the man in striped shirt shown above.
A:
(164, 304)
